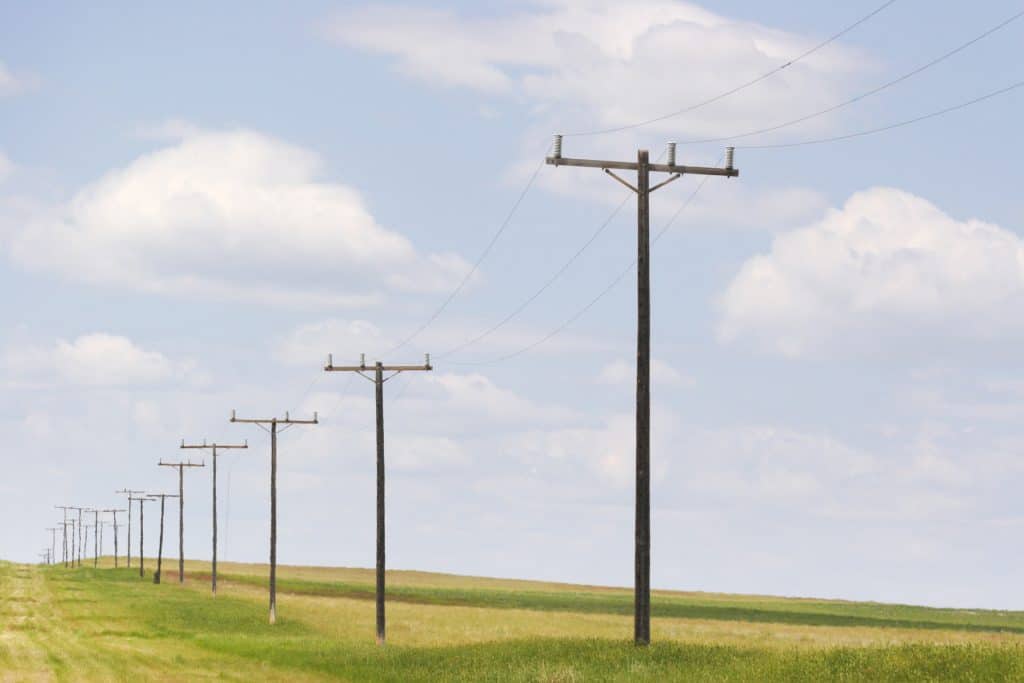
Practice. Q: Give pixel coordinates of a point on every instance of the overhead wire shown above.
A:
(515, 206)
(743, 86)
(604, 292)
(476, 264)
(891, 126)
(873, 91)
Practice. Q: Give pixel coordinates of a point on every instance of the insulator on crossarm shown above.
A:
(557, 152)
(729, 151)
(671, 154)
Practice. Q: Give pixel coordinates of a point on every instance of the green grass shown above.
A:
(802, 612)
(105, 624)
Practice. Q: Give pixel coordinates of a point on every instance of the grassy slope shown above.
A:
(104, 625)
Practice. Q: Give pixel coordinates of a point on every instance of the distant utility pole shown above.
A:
(53, 540)
(95, 538)
(643, 190)
(181, 511)
(72, 507)
(213, 449)
(104, 523)
(378, 380)
(130, 493)
(142, 531)
(64, 549)
(64, 526)
(273, 422)
(160, 551)
(114, 513)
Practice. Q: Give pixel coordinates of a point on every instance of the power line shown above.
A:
(529, 300)
(900, 124)
(547, 284)
(476, 265)
(743, 86)
(593, 302)
(864, 95)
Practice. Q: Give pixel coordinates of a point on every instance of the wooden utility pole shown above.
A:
(64, 526)
(273, 422)
(181, 511)
(53, 540)
(130, 493)
(643, 190)
(72, 507)
(114, 512)
(213, 448)
(160, 548)
(104, 524)
(142, 531)
(95, 537)
(378, 380)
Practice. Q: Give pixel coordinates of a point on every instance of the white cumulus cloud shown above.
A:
(93, 360)
(10, 83)
(886, 267)
(604, 62)
(236, 215)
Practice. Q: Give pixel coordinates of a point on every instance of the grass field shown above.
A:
(106, 624)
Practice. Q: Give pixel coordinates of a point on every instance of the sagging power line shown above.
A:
(743, 86)
(864, 95)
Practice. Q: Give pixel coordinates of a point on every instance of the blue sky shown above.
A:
(198, 204)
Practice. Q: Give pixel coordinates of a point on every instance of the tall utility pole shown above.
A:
(181, 511)
(160, 551)
(213, 448)
(114, 512)
(53, 540)
(643, 190)
(378, 380)
(273, 422)
(142, 529)
(130, 493)
(72, 507)
(64, 549)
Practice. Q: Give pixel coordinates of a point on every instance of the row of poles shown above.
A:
(377, 373)
(380, 373)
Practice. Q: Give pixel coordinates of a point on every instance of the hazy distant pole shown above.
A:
(181, 511)
(130, 493)
(64, 525)
(72, 507)
(273, 422)
(114, 512)
(95, 540)
(53, 540)
(213, 447)
(643, 190)
(378, 380)
(142, 533)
